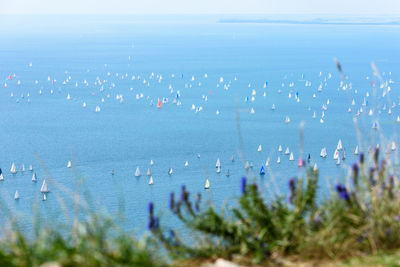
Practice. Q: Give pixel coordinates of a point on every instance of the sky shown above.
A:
(357, 7)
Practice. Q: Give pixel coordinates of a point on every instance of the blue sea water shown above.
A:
(47, 130)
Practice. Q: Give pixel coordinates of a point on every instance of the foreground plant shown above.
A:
(359, 217)
(96, 242)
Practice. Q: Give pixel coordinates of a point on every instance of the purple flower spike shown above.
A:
(243, 185)
(151, 208)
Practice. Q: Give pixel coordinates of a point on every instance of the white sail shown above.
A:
(151, 162)
(393, 147)
(259, 148)
(336, 154)
(137, 172)
(278, 160)
(356, 151)
(291, 158)
(186, 163)
(44, 188)
(148, 172)
(23, 168)
(287, 119)
(207, 185)
(246, 165)
(34, 178)
(218, 164)
(233, 158)
(44, 197)
(13, 168)
(170, 171)
(315, 167)
(69, 164)
(30, 168)
(219, 170)
(323, 152)
(1, 177)
(287, 151)
(339, 145)
(151, 180)
(16, 195)
(267, 162)
(280, 148)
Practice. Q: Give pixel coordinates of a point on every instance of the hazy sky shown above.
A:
(362, 7)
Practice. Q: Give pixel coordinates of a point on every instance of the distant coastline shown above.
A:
(308, 22)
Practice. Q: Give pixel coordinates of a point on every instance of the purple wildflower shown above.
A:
(172, 201)
(243, 185)
(362, 158)
(342, 192)
(151, 208)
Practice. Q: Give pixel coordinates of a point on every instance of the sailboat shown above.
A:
(218, 164)
(34, 178)
(280, 148)
(159, 103)
(148, 172)
(259, 148)
(287, 151)
(278, 160)
(262, 170)
(23, 168)
(246, 165)
(69, 164)
(44, 188)
(13, 168)
(207, 185)
(151, 180)
(356, 151)
(273, 107)
(44, 197)
(219, 170)
(336, 154)
(16, 195)
(323, 153)
(137, 172)
(393, 147)
(339, 145)
(170, 170)
(1, 175)
(287, 119)
(186, 163)
(151, 162)
(233, 158)
(291, 158)
(30, 168)
(267, 162)
(315, 167)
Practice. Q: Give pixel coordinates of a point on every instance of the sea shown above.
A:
(177, 89)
